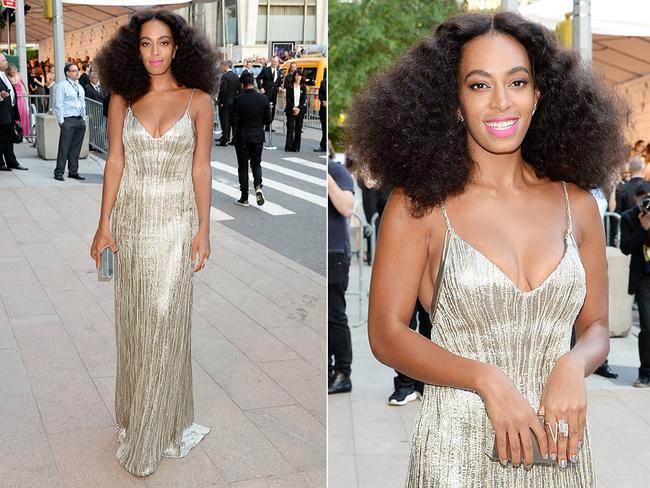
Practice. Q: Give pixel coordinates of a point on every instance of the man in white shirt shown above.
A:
(8, 101)
(70, 110)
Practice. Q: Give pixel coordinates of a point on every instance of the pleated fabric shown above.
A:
(154, 221)
(479, 313)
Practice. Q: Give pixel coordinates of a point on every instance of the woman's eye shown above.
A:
(478, 86)
(518, 83)
(164, 43)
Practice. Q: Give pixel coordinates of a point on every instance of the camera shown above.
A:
(645, 204)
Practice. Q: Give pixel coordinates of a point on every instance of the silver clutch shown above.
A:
(106, 268)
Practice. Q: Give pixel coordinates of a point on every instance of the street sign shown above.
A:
(9, 3)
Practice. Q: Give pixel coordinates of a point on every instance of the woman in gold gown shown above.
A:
(491, 145)
(155, 216)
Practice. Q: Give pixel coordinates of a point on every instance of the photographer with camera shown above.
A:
(635, 240)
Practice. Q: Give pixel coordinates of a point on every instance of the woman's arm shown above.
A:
(565, 394)
(112, 176)
(202, 176)
(114, 160)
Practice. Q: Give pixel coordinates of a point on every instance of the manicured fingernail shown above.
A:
(579, 444)
(574, 458)
(563, 463)
(504, 462)
(546, 456)
(528, 467)
(553, 456)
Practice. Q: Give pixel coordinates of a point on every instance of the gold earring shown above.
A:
(534, 108)
(460, 118)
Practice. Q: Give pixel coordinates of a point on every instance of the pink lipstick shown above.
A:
(156, 62)
(502, 126)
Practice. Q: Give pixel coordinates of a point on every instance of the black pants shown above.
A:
(643, 301)
(225, 119)
(421, 322)
(339, 342)
(7, 146)
(249, 154)
(322, 116)
(70, 139)
(273, 101)
(294, 131)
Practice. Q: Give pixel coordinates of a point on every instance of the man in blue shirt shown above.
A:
(70, 110)
(340, 204)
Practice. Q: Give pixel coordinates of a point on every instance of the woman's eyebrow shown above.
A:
(481, 72)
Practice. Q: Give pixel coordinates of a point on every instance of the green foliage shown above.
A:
(366, 36)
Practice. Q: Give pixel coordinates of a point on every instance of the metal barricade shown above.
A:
(36, 104)
(97, 125)
(356, 238)
(608, 228)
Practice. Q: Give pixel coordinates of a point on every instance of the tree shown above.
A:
(366, 36)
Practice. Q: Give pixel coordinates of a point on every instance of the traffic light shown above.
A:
(48, 12)
(564, 30)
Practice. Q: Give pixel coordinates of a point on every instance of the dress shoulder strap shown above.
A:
(444, 214)
(190, 101)
(568, 206)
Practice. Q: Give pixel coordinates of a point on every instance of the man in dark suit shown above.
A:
(635, 240)
(269, 81)
(228, 89)
(8, 114)
(93, 89)
(288, 80)
(322, 114)
(251, 112)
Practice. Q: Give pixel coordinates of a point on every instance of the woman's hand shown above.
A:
(296, 110)
(565, 398)
(512, 418)
(101, 241)
(200, 250)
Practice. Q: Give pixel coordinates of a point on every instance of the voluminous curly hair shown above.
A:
(405, 132)
(121, 70)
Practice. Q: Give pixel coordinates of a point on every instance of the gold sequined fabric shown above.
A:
(479, 313)
(153, 223)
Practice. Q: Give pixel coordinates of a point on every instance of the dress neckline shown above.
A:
(166, 131)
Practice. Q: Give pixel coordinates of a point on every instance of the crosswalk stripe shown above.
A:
(268, 207)
(218, 215)
(295, 174)
(304, 195)
(309, 164)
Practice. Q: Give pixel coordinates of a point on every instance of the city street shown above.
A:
(368, 441)
(258, 338)
(292, 221)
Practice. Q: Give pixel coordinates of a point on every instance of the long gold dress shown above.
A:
(479, 313)
(154, 222)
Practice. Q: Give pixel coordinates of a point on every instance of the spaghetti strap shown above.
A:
(568, 206)
(190, 102)
(444, 214)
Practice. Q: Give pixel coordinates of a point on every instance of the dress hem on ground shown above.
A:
(192, 435)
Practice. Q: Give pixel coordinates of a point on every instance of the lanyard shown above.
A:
(76, 88)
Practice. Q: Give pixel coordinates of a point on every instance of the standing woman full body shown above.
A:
(157, 186)
(295, 109)
(22, 98)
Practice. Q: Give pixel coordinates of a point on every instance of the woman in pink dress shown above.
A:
(22, 93)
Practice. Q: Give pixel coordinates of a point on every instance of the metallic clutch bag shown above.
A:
(538, 459)
(105, 271)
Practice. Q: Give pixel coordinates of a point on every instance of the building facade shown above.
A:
(237, 28)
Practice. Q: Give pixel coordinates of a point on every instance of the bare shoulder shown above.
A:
(584, 210)
(400, 219)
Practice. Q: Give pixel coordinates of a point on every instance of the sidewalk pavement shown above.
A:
(258, 348)
(368, 441)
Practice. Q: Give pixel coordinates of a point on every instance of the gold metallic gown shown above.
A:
(153, 223)
(479, 313)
